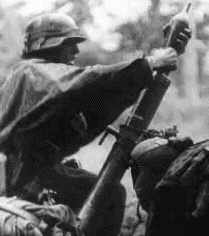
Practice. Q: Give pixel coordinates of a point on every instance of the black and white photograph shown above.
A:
(104, 118)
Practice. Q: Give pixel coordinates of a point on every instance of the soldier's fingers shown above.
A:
(183, 37)
(202, 201)
(171, 52)
(170, 56)
(188, 32)
(173, 57)
(181, 45)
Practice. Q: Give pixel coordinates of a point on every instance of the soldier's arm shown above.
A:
(36, 93)
(103, 92)
(31, 96)
(117, 87)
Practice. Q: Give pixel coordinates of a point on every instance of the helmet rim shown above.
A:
(50, 31)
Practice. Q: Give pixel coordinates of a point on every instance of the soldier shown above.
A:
(180, 203)
(151, 158)
(49, 108)
(171, 181)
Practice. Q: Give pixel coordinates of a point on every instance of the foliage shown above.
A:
(11, 40)
(80, 10)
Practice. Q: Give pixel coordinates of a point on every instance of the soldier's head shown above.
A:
(53, 37)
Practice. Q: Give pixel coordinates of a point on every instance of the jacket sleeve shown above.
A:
(32, 97)
(100, 92)
(114, 89)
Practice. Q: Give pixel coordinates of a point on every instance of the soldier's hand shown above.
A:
(163, 57)
(150, 160)
(182, 38)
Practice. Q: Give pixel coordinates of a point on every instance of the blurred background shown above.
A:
(119, 30)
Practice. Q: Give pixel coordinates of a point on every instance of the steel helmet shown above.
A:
(49, 31)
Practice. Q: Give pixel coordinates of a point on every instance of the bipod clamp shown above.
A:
(109, 130)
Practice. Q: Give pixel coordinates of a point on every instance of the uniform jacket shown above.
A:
(49, 110)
